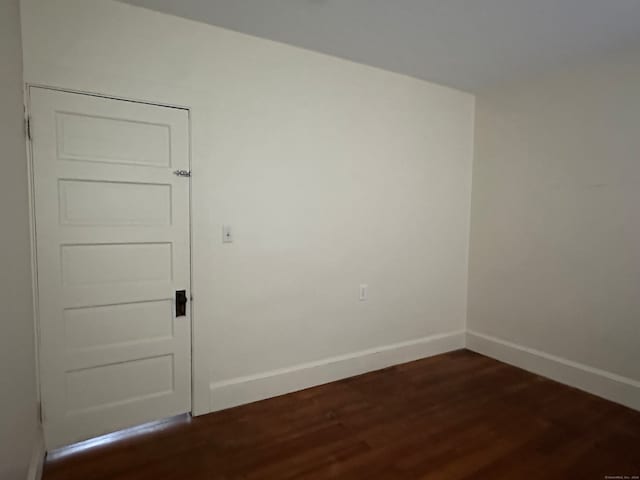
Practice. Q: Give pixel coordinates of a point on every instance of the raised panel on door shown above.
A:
(112, 248)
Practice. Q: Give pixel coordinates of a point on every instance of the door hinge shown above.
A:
(40, 413)
(27, 127)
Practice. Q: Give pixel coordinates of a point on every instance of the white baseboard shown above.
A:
(616, 388)
(239, 391)
(37, 458)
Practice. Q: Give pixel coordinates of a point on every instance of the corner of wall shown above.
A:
(37, 457)
(470, 237)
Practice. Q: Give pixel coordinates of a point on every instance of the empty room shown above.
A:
(320, 239)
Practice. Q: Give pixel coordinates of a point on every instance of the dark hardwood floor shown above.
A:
(454, 416)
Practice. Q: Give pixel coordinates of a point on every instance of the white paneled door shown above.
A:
(113, 271)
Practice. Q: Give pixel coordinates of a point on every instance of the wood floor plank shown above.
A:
(455, 416)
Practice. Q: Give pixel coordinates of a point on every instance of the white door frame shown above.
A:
(33, 230)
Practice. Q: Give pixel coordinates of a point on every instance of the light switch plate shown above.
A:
(227, 236)
(364, 292)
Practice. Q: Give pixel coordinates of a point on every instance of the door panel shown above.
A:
(114, 203)
(89, 138)
(112, 248)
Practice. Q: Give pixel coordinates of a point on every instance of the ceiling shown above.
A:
(467, 44)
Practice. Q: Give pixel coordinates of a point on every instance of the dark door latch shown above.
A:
(181, 303)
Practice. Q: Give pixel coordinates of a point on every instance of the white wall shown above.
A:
(555, 243)
(331, 174)
(18, 402)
